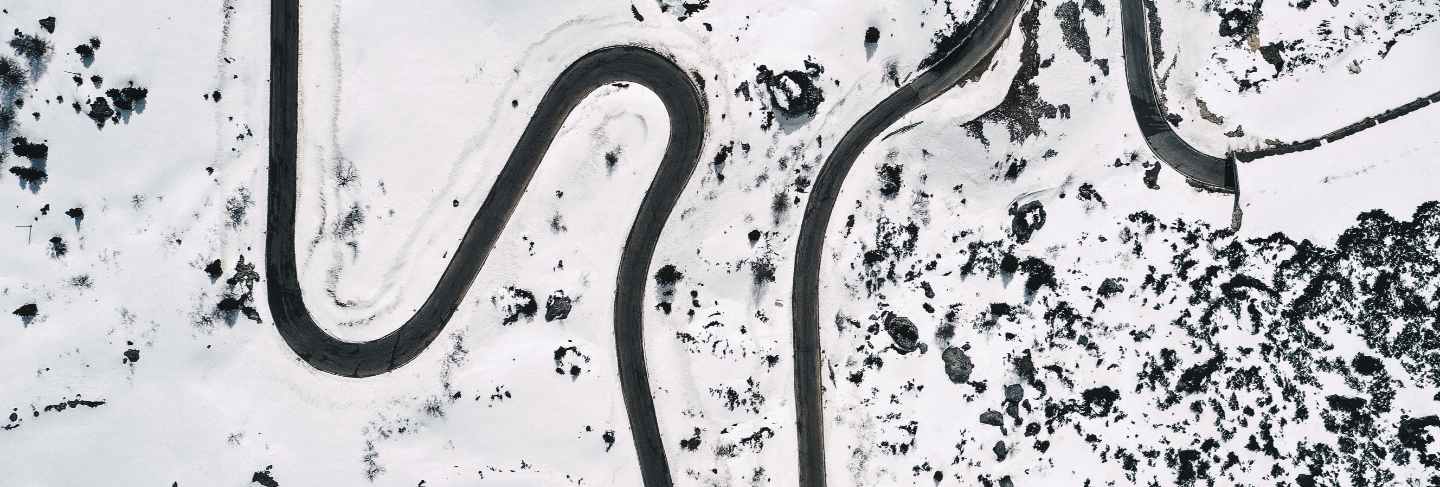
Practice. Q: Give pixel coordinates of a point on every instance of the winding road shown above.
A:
(686, 109)
(1199, 168)
(684, 103)
(1202, 169)
(980, 43)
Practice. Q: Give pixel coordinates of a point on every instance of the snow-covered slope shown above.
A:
(1020, 292)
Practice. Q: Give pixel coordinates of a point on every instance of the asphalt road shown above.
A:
(961, 61)
(686, 109)
(1203, 169)
(1200, 168)
(687, 113)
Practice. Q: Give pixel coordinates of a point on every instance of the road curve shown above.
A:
(686, 109)
(1203, 169)
(1199, 168)
(964, 59)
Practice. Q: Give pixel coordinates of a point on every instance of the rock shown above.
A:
(1100, 401)
(1366, 364)
(27, 311)
(794, 94)
(557, 306)
(519, 304)
(1194, 378)
(957, 365)
(890, 179)
(668, 275)
(1014, 393)
(1026, 219)
(214, 269)
(1345, 403)
(1110, 287)
(903, 332)
(29, 150)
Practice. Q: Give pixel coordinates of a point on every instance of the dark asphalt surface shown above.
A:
(686, 109)
(1200, 168)
(966, 58)
(687, 113)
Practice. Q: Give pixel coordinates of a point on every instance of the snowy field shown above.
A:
(1015, 291)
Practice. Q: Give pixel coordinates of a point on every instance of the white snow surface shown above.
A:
(408, 112)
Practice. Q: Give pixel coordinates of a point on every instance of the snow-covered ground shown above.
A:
(1275, 71)
(1079, 312)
